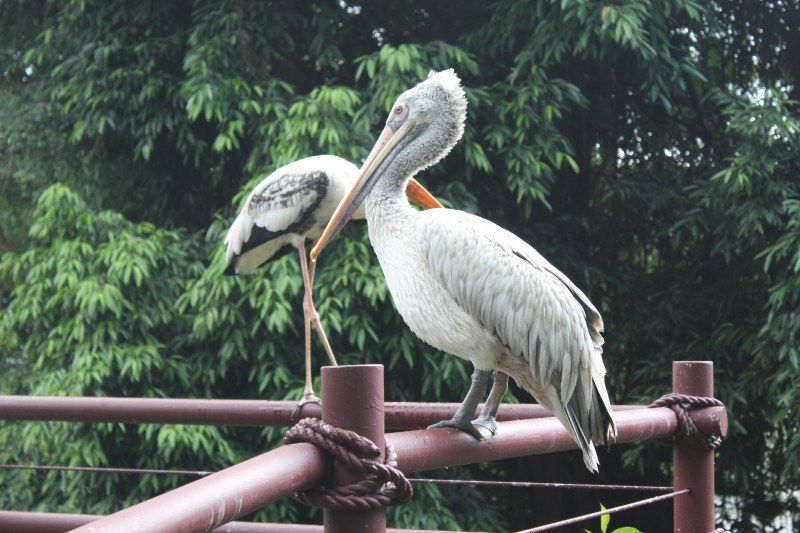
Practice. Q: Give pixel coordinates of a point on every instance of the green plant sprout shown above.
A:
(605, 520)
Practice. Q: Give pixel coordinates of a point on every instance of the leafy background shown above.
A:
(648, 148)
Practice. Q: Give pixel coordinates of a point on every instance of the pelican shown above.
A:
(470, 288)
(287, 207)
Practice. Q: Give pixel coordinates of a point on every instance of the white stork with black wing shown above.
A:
(289, 206)
(470, 288)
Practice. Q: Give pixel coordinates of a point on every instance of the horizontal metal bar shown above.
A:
(26, 522)
(108, 470)
(440, 448)
(260, 413)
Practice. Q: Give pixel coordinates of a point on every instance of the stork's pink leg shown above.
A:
(308, 313)
(315, 316)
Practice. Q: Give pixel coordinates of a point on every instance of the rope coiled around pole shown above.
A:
(384, 484)
(680, 405)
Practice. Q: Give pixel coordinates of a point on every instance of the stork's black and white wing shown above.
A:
(534, 309)
(291, 204)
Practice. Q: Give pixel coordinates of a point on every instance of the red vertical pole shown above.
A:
(693, 468)
(353, 400)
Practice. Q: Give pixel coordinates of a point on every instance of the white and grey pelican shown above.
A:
(287, 207)
(468, 287)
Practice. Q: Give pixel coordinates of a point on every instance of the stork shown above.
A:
(470, 288)
(287, 207)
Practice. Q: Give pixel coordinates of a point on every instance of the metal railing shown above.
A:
(354, 401)
(255, 413)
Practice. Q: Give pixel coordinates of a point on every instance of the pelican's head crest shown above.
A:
(448, 80)
(439, 105)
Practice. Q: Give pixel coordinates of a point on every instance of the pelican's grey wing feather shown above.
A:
(512, 290)
(528, 304)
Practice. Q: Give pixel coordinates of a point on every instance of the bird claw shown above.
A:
(486, 422)
(308, 397)
(463, 425)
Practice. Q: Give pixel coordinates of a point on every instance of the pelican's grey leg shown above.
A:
(461, 419)
(489, 411)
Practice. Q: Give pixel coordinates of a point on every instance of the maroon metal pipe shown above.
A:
(219, 498)
(24, 522)
(354, 401)
(20, 522)
(153, 410)
(399, 415)
(438, 448)
(693, 467)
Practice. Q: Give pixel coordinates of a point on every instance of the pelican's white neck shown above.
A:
(388, 199)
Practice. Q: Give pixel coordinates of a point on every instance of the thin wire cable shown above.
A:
(597, 514)
(533, 484)
(108, 470)
(474, 482)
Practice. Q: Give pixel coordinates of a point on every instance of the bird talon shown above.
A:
(308, 397)
(488, 423)
(463, 425)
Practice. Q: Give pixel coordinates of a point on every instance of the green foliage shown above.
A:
(605, 521)
(649, 149)
(83, 273)
(91, 313)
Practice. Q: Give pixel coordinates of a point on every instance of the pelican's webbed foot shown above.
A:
(461, 419)
(459, 423)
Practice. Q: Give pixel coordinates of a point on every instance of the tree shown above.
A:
(646, 148)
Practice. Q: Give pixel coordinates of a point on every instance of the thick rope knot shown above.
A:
(680, 404)
(384, 484)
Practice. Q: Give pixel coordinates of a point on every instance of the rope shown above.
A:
(384, 484)
(680, 404)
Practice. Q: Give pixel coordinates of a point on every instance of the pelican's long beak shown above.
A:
(366, 181)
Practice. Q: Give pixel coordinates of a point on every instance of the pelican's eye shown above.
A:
(398, 110)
